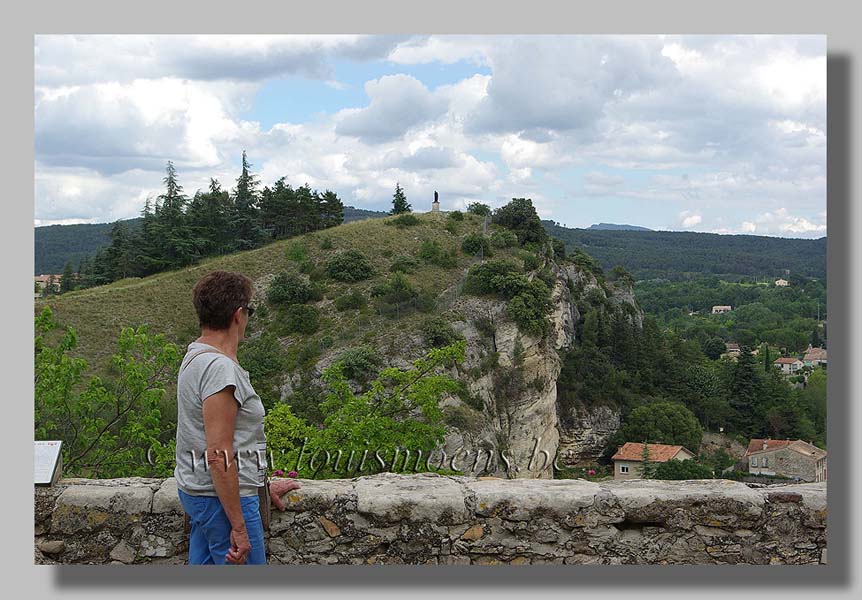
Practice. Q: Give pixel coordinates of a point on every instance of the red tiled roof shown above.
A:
(756, 445)
(786, 361)
(657, 452)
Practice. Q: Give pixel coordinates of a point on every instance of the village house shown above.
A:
(788, 365)
(717, 310)
(731, 349)
(629, 457)
(787, 458)
(814, 357)
(781, 283)
(43, 280)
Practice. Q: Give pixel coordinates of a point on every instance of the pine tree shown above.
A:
(67, 279)
(647, 467)
(332, 209)
(177, 242)
(399, 202)
(744, 391)
(247, 228)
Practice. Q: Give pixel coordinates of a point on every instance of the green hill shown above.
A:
(680, 255)
(56, 244)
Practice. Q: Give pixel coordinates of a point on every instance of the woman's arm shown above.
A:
(219, 412)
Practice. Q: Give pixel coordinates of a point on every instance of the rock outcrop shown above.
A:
(434, 519)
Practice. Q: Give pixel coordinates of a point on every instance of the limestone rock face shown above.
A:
(585, 432)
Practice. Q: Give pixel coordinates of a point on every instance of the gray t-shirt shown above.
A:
(199, 379)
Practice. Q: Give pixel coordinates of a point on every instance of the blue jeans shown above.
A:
(209, 541)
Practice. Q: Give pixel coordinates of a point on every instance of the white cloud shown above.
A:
(748, 227)
(689, 220)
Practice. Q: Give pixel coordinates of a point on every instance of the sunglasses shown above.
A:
(248, 309)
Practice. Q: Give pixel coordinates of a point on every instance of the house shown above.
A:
(44, 280)
(814, 357)
(788, 365)
(731, 349)
(717, 310)
(630, 455)
(788, 458)
(781, 283)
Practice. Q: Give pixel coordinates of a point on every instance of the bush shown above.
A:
(520, 216)
(462, 418)
(480, 279)
(306, 267)
(396, 292)
(559, 249)
(404, 220)
(301, 318)
(469, 399)
(529, 301)
(456, 215)
(438, 332)
(426, 301)
(431, 252)
(350, 265)
(531, 261)
(296, 251)
(475, 243)
(477, 208)
(288, 288)
(503, 238)
(404, 264)
(452, 227)
(264, 360)
(353, 299)
(326, 243)
(359, 364)
(681, 469)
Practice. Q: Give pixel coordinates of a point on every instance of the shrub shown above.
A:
(503, 238)
(475, 243)
(404, 264)
(288, 288)
(559, 249)
(456, 215)
(306, 267)
(301, 318)
(326, 243)
(264, 360)
(477, 208)
(353, 299)
(426, 301)
(404, 220)
(474, 402)
(531, 261)
(682, 469)
(547, 275)
(438, 332)
(431, 252)
(452, 227)
(463, 418)
(296, 251)
(480, 278)
(350, 265)
(359, 364)
(394, 293)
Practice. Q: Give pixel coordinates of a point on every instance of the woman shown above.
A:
(221, 446)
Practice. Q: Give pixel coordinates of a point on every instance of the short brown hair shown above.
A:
(217, 295)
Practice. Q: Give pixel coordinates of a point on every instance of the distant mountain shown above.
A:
(616, 227)
(679, 255)
(55, 244)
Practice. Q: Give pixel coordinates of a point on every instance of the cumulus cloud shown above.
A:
(398, 102)
(689, 220)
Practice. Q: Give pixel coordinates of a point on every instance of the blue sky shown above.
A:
(722, 134)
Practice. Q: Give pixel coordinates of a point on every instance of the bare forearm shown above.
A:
(226, 483)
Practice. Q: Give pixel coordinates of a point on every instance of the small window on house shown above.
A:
(754, 461)
(624, 468)
(765, 461)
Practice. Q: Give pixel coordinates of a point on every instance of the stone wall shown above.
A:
(434, 519)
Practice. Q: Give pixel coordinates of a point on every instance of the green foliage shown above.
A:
(503, 238)
(350, 265)
(529, 302)
(404, 264)
(483, 278)
(682, 469)
(663, 423)
(520, 217)
(431, 252)
(559, 249)
(296, 251)
(531, 261)
(288, 288)
(399, 411)
(399, 202)
(107, 425)
(352, 299)
(264, 359)
(475, 243)
(404, 220)
(326, 243)
(477, 208)
(456, 215)
(395, 294)
(438, 332)
(463, 418)
(619, 273)
(300, 318)
(359, 364)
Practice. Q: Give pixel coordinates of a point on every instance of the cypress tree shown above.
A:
(399, 201)
(246, 216)
(67, 279)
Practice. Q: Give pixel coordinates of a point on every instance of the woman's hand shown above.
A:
(278, 488)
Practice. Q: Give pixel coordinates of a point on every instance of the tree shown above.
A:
(664, 423)
(682, 469)
(743, 392)
(646, 468)
(477, 208)
(107, 426)
(245, 219)
(67, 279)
(713, 347)
(520, 216)
(399, 201)
(175, 240)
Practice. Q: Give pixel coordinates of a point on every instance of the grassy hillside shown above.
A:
(680, 255)
(163, 301)
(55, 244)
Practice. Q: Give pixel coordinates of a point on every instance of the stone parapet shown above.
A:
(435, 519)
